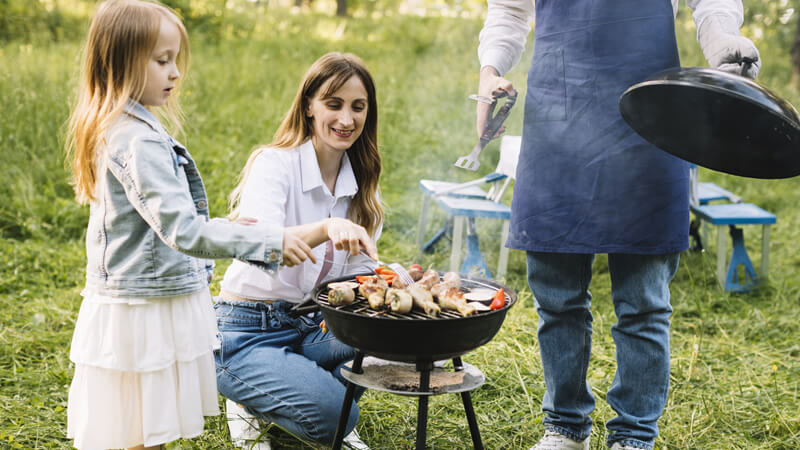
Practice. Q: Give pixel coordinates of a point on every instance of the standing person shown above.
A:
(320, 174)
(143, 340)
(587, 184)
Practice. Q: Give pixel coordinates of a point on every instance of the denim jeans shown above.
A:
(283, 369)
(640, 292)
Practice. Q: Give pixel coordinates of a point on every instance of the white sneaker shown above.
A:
(618, 446)
(554, 441)
(353, 441)
(245, 428)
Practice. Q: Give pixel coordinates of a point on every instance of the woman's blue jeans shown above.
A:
(283, 369)
(640, 292)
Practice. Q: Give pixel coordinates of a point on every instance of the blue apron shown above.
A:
(586, 182)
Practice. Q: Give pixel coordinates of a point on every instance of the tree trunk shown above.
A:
(341, 8)
(795, 52)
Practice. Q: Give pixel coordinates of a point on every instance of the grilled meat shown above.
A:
(399, 301)
(374, 289)
(423, 299)
(449, 280)
(429, 278)
(341, 295)
(453, 298)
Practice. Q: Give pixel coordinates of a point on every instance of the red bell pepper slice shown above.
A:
(499, 299)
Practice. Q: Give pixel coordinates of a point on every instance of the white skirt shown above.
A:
(144, 370)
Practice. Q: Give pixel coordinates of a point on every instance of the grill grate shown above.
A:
(361, 306)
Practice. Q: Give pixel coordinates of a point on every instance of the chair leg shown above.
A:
(502, 261)
(423, 219)
(474, 259)
(458, 235)
(721, 256)
(764, 251)
(739, 257)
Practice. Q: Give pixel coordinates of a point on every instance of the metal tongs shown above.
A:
(470, 162)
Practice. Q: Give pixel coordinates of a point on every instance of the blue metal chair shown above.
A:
(463, 203)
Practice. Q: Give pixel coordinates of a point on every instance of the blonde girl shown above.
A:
(320, 174)
(143, 340)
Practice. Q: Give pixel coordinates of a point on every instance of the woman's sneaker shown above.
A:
(555, 441)
(245, 428)
(354, 442)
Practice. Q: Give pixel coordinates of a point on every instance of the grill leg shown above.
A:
(467, 400)
(348, 401)
(424, 370)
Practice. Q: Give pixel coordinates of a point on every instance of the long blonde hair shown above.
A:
(121, 39)
(297, 127)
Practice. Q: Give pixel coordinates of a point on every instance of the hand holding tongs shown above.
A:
(470, 162)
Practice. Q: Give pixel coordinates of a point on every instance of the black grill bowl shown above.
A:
(412, 338)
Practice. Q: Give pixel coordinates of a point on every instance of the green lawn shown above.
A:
(735, 379)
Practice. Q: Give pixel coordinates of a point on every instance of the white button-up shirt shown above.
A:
(285, 188)
(507, 24)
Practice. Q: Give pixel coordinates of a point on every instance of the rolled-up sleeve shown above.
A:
(502, 39)
(730, 12)
(146, 170)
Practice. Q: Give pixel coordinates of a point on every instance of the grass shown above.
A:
(735, 378)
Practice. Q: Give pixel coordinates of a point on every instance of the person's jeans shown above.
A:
(640, 292)
(283, 369)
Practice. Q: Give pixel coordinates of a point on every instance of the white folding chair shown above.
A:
(463, 202)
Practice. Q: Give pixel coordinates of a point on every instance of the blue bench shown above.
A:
(732, 215)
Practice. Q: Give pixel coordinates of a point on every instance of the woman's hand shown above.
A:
(295, 250)
(351, 237)
(489, 85)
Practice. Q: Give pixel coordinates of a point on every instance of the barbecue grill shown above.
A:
(410, 338)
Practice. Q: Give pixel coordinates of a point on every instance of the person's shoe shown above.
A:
(618, 446)
(555, 441)
(353, 441)
(245, 428)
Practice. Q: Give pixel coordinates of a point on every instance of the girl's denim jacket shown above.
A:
(149, 233)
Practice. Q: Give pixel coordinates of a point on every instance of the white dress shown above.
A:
(144, 370)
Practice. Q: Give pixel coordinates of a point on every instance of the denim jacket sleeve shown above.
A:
(157, 188)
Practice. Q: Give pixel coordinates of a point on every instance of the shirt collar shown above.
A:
(312, 177)
(137, 110)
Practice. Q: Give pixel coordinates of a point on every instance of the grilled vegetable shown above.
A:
(499, 299)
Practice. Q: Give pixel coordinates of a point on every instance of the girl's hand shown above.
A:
(349, 236)
(295, 250)
(246, 221)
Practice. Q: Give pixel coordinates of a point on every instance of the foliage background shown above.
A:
(735, 358)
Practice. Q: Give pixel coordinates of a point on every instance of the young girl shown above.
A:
(143, 340)
(320, 174)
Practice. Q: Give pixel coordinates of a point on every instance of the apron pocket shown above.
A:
(547, 88)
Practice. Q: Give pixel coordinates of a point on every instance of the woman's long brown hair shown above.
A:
(121, 39)
(296, 128)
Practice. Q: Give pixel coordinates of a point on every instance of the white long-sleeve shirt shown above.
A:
(507, 25)
(285, 188)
